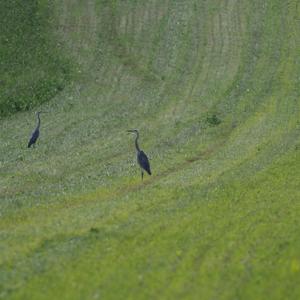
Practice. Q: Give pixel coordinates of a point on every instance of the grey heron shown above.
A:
(142, 158)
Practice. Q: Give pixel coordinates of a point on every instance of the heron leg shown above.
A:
(142, 173)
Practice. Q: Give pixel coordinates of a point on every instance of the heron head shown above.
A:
(133, 131)
(41, 112)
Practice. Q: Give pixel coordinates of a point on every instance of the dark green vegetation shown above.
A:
(213, 87)
(32, 67)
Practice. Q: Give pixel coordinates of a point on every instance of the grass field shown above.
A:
(214, 88)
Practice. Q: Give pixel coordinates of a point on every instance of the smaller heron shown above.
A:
(142, 158)
(36, 132)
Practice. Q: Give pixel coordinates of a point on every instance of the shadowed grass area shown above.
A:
(213, 87)
(33, 69)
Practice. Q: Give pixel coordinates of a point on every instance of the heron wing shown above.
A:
(144, 162)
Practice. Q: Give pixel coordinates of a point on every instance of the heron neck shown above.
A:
(39, 122)
(136, 142)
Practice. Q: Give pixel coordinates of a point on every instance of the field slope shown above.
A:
(214, 88)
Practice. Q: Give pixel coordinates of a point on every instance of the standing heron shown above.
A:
(142, 158)
(36, 132)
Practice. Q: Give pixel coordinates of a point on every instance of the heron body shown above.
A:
(143, 162)
(34, 137)
(142, 158)
(36, 132)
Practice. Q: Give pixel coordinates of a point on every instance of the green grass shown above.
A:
(213, 87)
